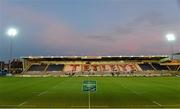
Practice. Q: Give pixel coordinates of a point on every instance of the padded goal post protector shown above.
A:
(89, 85)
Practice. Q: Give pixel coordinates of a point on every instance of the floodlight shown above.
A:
(12, 32)
(170, 37)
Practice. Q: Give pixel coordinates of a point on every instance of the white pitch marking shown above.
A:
(155, 102)
(42, 93)
(52, 87)
(138, 94)
(22, 103)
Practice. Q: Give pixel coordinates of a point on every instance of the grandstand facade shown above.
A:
(98, 65)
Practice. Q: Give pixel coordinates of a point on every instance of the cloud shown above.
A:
(45, 34)
(102, 38)
(48, 31)
(144, 34)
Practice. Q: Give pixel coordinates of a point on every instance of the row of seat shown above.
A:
(156, 66)
(61, 67)
(51, 67)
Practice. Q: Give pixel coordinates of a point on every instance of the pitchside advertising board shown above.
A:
(89, 86)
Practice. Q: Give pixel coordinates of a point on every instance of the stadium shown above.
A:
(113, 81)
(90, 54)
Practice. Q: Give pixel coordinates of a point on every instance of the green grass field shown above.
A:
(137, 92)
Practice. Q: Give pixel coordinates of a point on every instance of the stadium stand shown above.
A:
(55, 67)
(146, 66)
(40, 67)
(16, 66)
(178, 68)
(174, 67)
(3, 70)
(159, 67)
(98, 66)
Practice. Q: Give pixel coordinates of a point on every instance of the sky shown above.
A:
(89, 27)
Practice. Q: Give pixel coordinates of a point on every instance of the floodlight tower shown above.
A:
(171, 38)
(12, 33)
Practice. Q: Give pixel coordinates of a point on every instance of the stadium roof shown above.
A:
(142, 57)
(176, 53)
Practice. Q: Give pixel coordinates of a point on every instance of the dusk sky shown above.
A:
(89, 27)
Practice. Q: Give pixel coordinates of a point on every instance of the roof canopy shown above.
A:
(89, 58)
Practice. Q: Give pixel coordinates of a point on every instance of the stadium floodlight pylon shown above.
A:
(11, 32)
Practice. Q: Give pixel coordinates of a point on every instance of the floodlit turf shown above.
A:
(111, 92)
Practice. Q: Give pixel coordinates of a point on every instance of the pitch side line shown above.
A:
(44, 92)
(138, 94)
(22, 103)
(155, 102)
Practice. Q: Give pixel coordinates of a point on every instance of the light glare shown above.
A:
(170, 37)
(12, 32)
